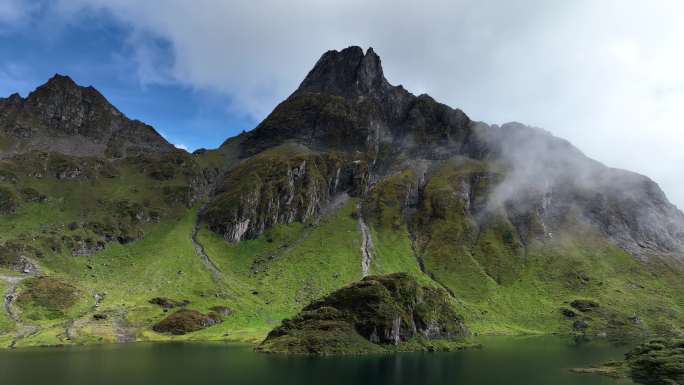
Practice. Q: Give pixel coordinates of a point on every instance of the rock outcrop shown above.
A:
(281, 185)
(372, 315)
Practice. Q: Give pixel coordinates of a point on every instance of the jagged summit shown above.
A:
(346, 103)
(64, 117)
(348, 73)
(65, 89)
(60, 81)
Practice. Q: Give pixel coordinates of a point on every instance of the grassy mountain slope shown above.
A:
(502, 288)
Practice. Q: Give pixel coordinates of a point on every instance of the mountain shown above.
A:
(106, 227)
(63, 117)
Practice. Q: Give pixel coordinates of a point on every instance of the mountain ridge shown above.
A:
(60, 111)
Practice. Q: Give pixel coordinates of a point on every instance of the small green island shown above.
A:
(378, 314)
(656, 362)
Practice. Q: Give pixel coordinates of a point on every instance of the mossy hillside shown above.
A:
(656, 362)
(258, 293)
(48, 298)
(510, 288)
(176, 272)
(185, 321)
(580, 264)
(77, 210)
(498, 249)
(170, 266)
(289, 266)
(385, 209)
(273, 276)
(373, 315)
(385, 203)
(94, 213)
(281, 185)
(444, 230)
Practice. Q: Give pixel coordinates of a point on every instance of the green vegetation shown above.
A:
(376, 314)
(288, 181)
(47, 298)
(6, 323)
(287, 267)
(185, 321)
(656, 362)
(111, 236)
(508, 287)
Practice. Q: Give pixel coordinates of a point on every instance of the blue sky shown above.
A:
(97, 50)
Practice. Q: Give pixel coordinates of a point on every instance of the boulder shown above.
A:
(584, 305)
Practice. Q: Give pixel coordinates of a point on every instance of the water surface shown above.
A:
(503, 360)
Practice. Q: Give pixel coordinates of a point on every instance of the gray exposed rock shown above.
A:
(580, 325)
(584, 305)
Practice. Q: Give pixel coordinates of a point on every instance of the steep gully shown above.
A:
(366, 244)
(199, 249)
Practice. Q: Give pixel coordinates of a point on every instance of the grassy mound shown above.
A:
(186, 321)
(376, 314)
(656, 362)
(47, 298)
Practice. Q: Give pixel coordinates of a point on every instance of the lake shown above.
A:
(502, 360)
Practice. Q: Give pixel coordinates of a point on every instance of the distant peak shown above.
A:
(58, 80)
(349, 72)
(60, 85)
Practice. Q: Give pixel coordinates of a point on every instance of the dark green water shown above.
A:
(510, 361)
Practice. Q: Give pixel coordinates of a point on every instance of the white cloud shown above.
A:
(607, 75)
(181, 146)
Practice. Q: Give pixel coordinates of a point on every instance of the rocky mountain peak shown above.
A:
(346, 103)
(349, 72)
(61, 92)
(62, 116)
(59, 81)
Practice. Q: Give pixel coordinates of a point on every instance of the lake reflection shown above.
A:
(503, 360)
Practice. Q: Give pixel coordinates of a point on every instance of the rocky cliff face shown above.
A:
(281, 185)
(63, 117)
(526, 179)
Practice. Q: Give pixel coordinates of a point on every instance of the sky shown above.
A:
(605, 74)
